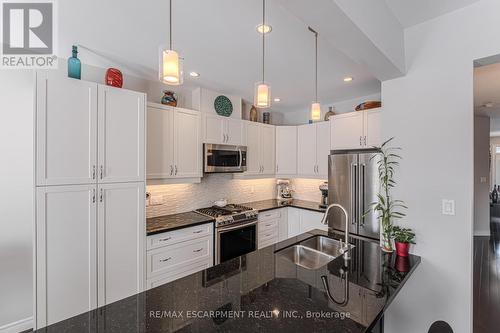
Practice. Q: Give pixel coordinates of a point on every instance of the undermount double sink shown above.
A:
(314, 252)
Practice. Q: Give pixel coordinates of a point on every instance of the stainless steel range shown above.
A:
(236, 230)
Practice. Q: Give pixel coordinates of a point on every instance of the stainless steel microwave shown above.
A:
(224, 158)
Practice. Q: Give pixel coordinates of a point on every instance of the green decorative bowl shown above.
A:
(223, 106)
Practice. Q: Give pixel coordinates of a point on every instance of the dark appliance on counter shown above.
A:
(353, 182)
(235, 230)
(224, 158)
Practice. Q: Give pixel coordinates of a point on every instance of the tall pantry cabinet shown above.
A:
(90, 188)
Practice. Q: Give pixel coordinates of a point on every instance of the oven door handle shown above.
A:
(240, 226)
(241, 158)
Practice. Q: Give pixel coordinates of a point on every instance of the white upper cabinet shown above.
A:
(66, 129)
(174, 148)
(355, 130)
(66, 252)
(121, 135)
(187, 144)
(121, 241)
(313, 150)
(306, 151)
(286, 150)
(260, 139)
(222, 130)
(373, 131)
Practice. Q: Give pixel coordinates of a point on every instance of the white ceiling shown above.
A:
(218, 39)
(487, 91)
(411, 12)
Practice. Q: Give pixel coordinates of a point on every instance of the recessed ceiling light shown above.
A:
(348, 79)
(194, 74)
(264, 28)
(277, 99)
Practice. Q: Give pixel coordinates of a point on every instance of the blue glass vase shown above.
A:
(74, 65)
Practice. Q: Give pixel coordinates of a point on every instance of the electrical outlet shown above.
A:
(156, 200)
(448, 207)
(483, 179)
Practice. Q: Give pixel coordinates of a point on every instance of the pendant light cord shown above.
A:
(315, 64)
(263, 36)
(170, 30)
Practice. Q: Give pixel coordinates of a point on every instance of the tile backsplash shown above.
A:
(179, 198)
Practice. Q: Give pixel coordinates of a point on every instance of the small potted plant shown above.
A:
(403, 237)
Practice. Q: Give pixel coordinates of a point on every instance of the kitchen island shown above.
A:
(262, 292)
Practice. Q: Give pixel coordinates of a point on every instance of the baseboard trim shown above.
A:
(482, 233)
(18, 326)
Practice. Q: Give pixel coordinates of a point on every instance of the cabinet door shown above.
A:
(160, 143)
(253, 149)
(372, 128)
(293, 222)
(233, 130)
(286, 150)
(322, 148)
(187, 144)
(310, 220)
(66, 130)
(213, 129)
(306, 150)
(66, 252)
(347, 130)
(267, 141)
(121, 241)
(283, 225)
(121, 135)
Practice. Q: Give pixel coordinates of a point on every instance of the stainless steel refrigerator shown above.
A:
(353, 182)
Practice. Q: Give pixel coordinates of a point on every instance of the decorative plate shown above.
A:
(223, 106)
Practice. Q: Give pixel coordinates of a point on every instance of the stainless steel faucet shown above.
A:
(344, 247)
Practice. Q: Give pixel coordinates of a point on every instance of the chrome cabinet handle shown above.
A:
(277, 168)
(164, 239)
(166, 259)
(365, 140)
(360, 140)
(176, 170)
(100, 195)
(93, 171)
(198, 250)
(102, 171)
(171, 170)
(93, 195)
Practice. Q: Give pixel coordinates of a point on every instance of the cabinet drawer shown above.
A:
(268, 238)
(267, 225)
(270, 215)
(180, 272)
(180, 235)
(171, 258)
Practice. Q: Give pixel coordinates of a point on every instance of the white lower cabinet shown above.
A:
(302, 220)
(268, 228)
(175, 254)
(89, 247)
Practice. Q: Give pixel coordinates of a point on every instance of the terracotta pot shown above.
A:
(402, 249)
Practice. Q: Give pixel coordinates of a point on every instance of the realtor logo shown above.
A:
(28, 34)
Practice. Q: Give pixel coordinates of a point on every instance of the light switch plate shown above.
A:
(448, 207)
(483, 179)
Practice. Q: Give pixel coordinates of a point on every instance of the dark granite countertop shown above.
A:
(264, 205)
(261, 292)
(156, 225)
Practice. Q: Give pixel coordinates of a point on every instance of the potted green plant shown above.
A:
(403, 237)
(386, 206)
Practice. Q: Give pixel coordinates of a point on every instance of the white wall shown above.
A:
(481, 170)
(302, 116)
(17, 196)
(430, 112)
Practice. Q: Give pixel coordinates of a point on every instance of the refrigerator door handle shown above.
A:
(361, 193)
(354, 173)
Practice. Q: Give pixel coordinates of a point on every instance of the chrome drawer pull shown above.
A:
(268, 225)
(167, 259)
(198, 250)
(197, 232)
(164, 239)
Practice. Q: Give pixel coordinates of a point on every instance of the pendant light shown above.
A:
(262, 95)
(170, 71)
(315, 106)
